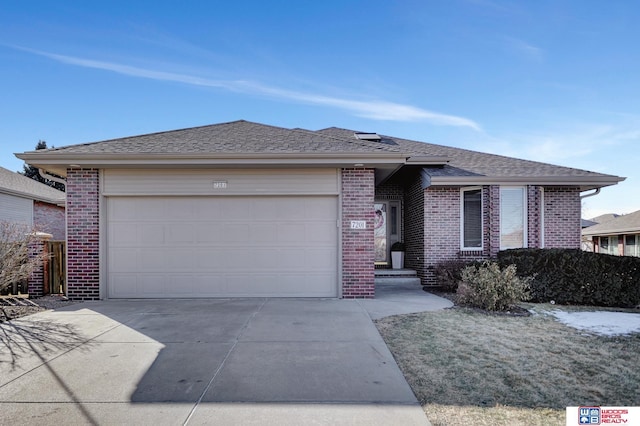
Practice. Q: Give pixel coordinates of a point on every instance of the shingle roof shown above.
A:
(627, 223)
(226, 143)
(604, 217)
(227, 138)
(16, 184)
(465, 162)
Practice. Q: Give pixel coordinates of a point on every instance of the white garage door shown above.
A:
(168, 247)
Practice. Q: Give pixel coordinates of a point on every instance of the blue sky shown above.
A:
(549, 80)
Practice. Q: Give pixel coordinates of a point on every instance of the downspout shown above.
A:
(596, 192)
(582, 197)
(53, 178)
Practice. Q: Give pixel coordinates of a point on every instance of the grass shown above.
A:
(468, 367)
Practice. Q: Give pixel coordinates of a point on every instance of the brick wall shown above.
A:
(491, 220)
(37, 249)
(534, 239)
(441, 228)
(414, 226)
(50, 218)
(83, 267)
(358, 252)
(562, 211)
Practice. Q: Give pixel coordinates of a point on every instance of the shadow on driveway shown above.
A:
(195, 361)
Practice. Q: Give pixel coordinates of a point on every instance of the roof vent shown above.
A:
(367, 136)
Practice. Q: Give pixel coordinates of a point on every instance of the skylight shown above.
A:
(367, 136)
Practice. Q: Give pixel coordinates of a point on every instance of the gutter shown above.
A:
(596, 192)
(50, 177)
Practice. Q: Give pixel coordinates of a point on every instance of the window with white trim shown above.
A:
(513, 217)
(471, 223)
(609, 245)
(632, 245)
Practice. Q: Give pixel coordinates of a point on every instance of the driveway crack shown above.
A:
(222, 364)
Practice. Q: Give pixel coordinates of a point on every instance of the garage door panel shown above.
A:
(321, 232)
(292, 233)
(148, 208)
(154, 260)
(151, 284)
(292, 259)
(209, 232)
(210, 206)
(320, 259)
(150, 235)
(316, 210)
(124, 235)
(222, 246)
(125, 259)
(179, 233)
(210, 285)
(239, 209)
(265, 259)
(236, 233)
(263, 233)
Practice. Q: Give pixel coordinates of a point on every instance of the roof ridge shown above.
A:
(355, 141)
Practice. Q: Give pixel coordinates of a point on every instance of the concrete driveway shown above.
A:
(222, 361)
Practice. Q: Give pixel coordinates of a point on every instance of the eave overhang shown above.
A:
(428, 160)
(585, 183)
(57, 201)
(58, 164)
(612, 231)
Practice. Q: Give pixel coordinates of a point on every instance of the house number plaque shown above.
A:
(219, 184)
(358, 224)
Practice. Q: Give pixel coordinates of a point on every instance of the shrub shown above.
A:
(398, 246)
(571, 276)
(491, 288)
(449, 274)
(16, 261)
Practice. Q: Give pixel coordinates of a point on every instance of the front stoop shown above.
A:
(396, 277)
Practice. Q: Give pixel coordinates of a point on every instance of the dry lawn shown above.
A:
(468, 367)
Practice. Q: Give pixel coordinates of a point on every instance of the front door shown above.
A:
(386, 229)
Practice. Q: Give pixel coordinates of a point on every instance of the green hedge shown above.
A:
(569, 276)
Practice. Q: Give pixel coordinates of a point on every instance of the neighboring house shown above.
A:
(27, 201)
(245, 209)
(619, 235)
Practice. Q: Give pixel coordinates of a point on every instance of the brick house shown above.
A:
(36, 206)
(618, 235)
(245, 209)
(24, 200)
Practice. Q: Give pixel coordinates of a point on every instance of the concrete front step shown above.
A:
(397, 281)
(395, 273)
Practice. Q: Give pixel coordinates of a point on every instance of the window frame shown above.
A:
(525, 216)
(635, 245)
(462, 217)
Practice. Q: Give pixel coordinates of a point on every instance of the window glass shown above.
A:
(512, 218)
(609, 245)
(472, 218)
(394, 219)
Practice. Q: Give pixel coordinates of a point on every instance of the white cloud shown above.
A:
(525, 49)
(373, 109)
